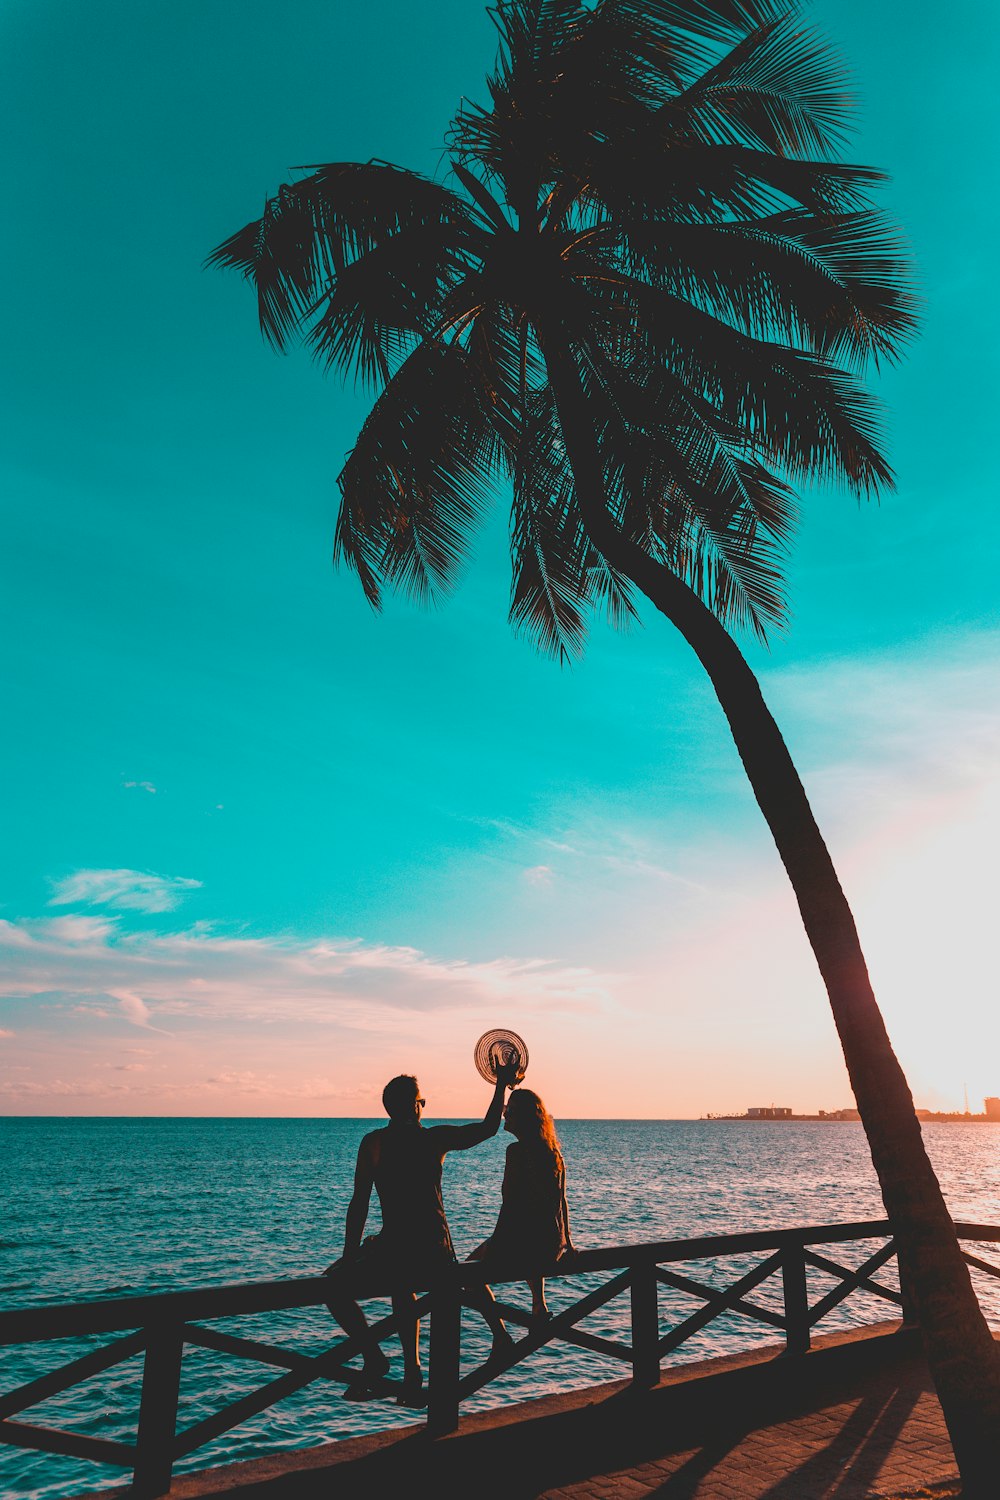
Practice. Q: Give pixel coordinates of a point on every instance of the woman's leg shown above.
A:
(482, 1299)
(539, 1307)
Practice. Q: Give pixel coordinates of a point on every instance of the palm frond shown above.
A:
(565, 75)
(715, 20)
(716, 518)
(655, 168)
(548, 589)
(549, 592)
(532, 30)
(508, 361)
(735, 573)
(795, 410)
(382, 303)
(778, 89)
(314, 228)
(419, 478)
(838, 285)
(868, 259)
(823, 187)
(280, 255)
(557, 573)
(736, 562)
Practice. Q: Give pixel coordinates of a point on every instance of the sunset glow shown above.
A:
(263, 849)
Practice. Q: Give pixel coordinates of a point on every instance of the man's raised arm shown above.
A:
(461, 1137)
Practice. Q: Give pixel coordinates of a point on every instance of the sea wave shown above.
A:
(161, 1205)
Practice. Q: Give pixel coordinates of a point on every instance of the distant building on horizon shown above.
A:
(932, 1116)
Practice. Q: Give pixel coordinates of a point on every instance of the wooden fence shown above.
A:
(162, 1326)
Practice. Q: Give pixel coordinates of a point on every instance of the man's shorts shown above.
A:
(382, 1267)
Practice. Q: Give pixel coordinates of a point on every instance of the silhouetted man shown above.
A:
(403, 1162)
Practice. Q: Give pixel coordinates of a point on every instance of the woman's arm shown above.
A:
(568, 1247)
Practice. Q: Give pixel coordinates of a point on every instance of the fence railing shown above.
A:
(162, 1326)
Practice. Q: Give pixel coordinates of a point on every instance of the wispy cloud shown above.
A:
(231, 1022)
(125, 890)
(142, 786)
(202, 973)
(134, 1008)
(594, 843)
(80, 930)
(24, 1090)
(4, 1034)
(933, 709)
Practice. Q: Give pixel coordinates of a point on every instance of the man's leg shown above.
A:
(403, 1305)
(354, 1323)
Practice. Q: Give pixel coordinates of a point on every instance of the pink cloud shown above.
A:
(198, 972)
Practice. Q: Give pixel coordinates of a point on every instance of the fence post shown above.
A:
(908, 1311)
(445, 1359)
(161, 1378)
(645, 1325)
(793, 1277)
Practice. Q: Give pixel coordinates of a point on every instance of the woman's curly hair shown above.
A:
(535, 1124)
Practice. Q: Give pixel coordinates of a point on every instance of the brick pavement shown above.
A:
(854, 1445)
(854, 1419)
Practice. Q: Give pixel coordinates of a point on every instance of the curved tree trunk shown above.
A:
(961, 1352)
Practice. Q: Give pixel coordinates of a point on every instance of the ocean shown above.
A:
(111, 1207)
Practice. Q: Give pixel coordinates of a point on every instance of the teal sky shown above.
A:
(260, 848)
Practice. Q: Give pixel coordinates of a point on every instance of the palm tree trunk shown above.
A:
(962, 1355)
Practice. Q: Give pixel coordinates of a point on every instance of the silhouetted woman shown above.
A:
(533, 1227)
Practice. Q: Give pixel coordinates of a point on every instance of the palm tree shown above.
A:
(643, 300)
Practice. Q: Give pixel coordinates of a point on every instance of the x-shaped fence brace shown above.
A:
(171, 1321)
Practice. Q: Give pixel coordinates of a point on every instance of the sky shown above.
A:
(260, 849)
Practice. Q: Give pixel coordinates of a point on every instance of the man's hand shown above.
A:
(507, 1075)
